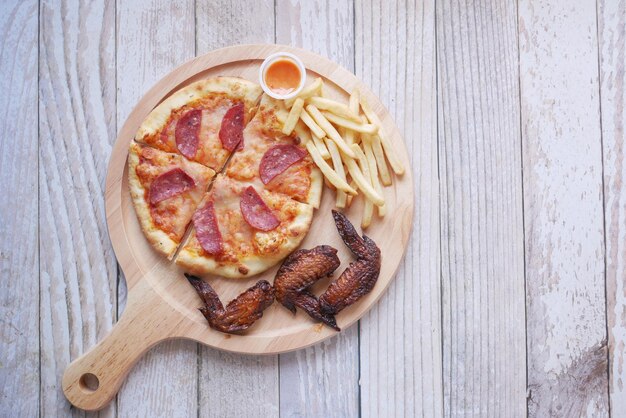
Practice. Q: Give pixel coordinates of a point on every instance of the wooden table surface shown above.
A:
(511, 299)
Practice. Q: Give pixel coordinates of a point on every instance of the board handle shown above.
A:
(92, 380)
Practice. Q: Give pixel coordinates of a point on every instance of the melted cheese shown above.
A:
(239, 238)
(210, 151)
(171, 215)
(261, 134)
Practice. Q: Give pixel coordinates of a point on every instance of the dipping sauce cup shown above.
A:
(282, 75)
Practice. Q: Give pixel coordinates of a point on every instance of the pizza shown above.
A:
(203, 121)
(210, 163)
(284, 165)
(241, 230)
(166, 189)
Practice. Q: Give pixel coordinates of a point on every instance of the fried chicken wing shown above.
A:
(311, 305)
(240, 313)
(350, 237)
(298, 272)
(301, 269)
(361, 275)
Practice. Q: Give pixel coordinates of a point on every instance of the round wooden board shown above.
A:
(161, 303)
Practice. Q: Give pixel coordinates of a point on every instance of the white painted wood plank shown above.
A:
(323, 380)
(222, 23)
(612, 42)
(567, 357)
(481, 210)
(19, 257)
(153, 37)
(232, 385)
(400, 352)
(76, 130)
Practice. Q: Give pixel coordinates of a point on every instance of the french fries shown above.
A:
(368, 210)
(308, 91)
(378, 155)
(354, 107)
(305, 136)
(362, 160)
(335, 107)
(385, 177)
(368, 207)
(371, 161)
(314, 127)
(354, 101)
(321, 147)
(395, 163)
(294, 116)
(328, 172)
(350, 147)
(303, 133)
(340, 200)
(350, 198)
(366, 128)
(362, 182)
(330, 130)
(329, 185)
(348, 136)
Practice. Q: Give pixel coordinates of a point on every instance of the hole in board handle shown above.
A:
(89, 382)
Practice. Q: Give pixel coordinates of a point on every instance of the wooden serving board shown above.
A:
(162, 304)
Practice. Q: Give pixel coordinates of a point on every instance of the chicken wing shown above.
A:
(299, 271)
(361, 275)
(311, 305)
(240, 313)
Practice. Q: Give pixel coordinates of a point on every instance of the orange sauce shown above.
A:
(282, 76)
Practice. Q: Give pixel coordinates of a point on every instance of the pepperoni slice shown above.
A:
(231, 130)
(187, 132)
(277, 159)
(207, 230)
(255, 211)
(170, 184)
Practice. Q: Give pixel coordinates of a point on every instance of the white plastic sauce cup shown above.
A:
(276, 57)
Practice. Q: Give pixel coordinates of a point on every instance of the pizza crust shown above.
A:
(157, 238)
(254, 264)
(317, 186)
(191, 256)
(235, 88)
(247, 251)
(160, 240)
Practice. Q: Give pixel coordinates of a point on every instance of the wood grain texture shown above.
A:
(234, 384)
(89, 63)
(76, 130)
(481, 210)
(279, 333)
(222, 23)
(168, 304)
(322, 380)
(400, 347)
(612, 50)
(19, 252)
(567, 358)
(237, 385)
(153, 37)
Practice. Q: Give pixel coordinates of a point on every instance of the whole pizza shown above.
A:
(217, 185)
